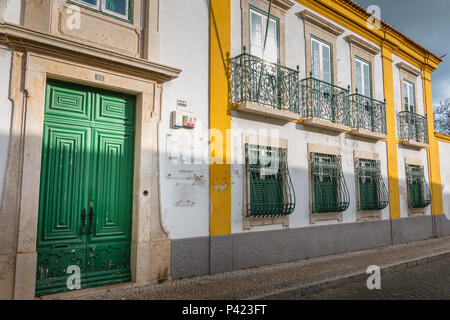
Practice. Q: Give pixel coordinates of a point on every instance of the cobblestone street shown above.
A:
(427, 281)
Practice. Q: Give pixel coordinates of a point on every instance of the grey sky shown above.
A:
(427, 23)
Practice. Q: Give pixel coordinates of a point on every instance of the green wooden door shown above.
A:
(85, 201)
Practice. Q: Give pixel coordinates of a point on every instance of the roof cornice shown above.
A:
(24, 39)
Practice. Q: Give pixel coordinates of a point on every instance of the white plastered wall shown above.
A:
(184, 33)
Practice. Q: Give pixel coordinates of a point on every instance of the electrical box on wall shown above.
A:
(189, 122)
(179, 120)
(176, 120)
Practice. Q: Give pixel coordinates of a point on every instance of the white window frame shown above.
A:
(101, 7)
(264, 23)
(321, 46)
(407, 94)
(364, 85)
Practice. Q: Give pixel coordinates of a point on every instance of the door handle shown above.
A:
(91, 218)
(83, 221)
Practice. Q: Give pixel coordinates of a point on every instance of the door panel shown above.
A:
(64, 183)
(112, 180)
(108, 263)
(67, 102)
(114, 109)
(52, 264)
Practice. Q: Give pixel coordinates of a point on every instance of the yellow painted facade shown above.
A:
(346, 16)
(391, 143)
(219, 118)
(342, 13)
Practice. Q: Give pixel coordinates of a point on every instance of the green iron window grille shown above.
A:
(325, 101)
(368, 113)
(373, 194)
(270, 192)
(258, 81)
(330, 192)
(418, 190)
(412, 126)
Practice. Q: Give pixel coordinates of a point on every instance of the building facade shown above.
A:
(145, 140)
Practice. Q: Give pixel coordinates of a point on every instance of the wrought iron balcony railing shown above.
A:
(264, 83)
(368, 114)
(325, 101)
(412, 126)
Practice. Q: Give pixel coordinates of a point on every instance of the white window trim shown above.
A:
(101, 7)
(321, 45)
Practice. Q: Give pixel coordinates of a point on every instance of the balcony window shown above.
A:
(409, 96)
(373, 194)
(264, 45)
(363, 77)
(418, 190)
(330, 192)
(322, 60)
(116, 8)
(269, 189)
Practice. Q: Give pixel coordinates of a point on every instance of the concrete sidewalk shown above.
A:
(302, 277)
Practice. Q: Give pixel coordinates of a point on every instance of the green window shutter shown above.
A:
(330, 192)
(418, 190)
(270, 192)
(373, 194)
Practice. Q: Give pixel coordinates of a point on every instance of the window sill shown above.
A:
(320, 217)
(416, 212)
(264, 110)
(365, 216)
(369, 134)
(324, 124)
(250, 222)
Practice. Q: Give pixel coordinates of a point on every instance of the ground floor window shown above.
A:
(270, 192)
(418, 190)
(330, 192)
(373, 194)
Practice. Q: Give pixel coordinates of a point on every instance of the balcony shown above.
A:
(264, 88)
(369, 117)
(325, 105)
(412, 129)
